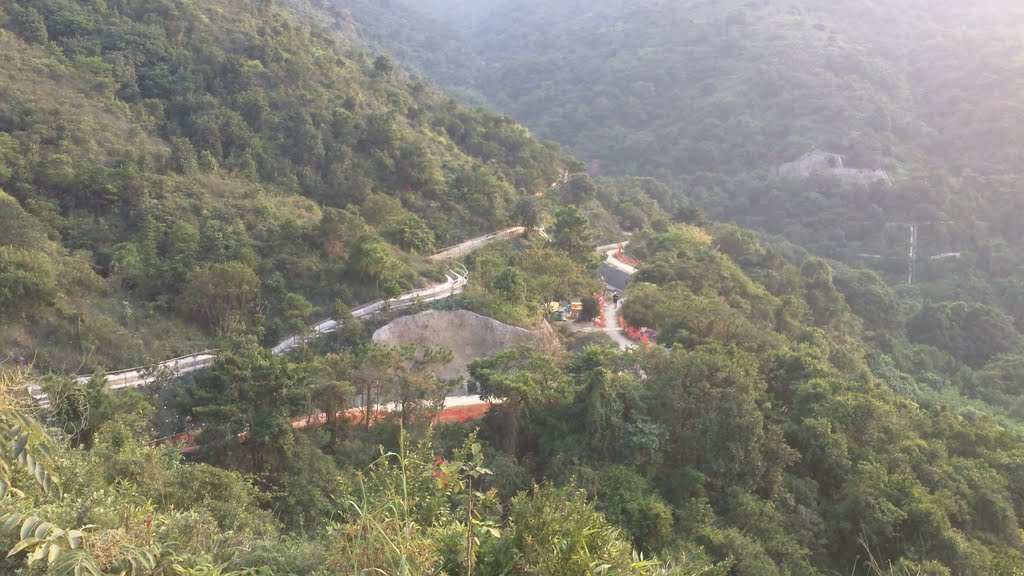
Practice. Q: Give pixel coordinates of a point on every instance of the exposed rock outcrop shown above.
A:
(468, 335)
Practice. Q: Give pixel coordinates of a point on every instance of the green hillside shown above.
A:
(414, 39)
(770, 439)
(677, 88)
(149, 154)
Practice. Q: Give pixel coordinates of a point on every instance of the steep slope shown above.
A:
(175, 171)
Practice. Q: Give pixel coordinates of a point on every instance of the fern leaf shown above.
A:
(42, 529)
(9, 521)
(76, 562)
(25, 544)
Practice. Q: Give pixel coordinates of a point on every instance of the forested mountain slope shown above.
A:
(172, 171)
(769, 439)
(684, 87)
(713, 96)
(177, 173)
(414, 39)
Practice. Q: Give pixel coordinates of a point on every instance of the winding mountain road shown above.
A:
(460, 250)
(454, 284)
(612, 328)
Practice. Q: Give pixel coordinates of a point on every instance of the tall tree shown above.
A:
(571, 233)
(220, 292)
(415, 387)
(521, 377)
(249, 398)
(528, 213)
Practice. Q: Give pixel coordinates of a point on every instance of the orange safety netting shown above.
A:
(186, 441)
(634, 334)
(625, 258)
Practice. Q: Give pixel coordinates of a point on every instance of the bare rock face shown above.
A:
(469, 336)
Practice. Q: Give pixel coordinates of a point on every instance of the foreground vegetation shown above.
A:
(770, 437)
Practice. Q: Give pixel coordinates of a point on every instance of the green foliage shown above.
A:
(59, 549)
(870, 298)
(571, 233)
(403, 375)
(413, 513)
(528, 213)
(30, 25)
(226, 164)
(628, 500)
(590, 309)
(27, 282)
(972, 333)
(29, 450)
(1001, 381)
(521, 377)
(511, 283)
(372, 261)
(166, 161)
(826, 303)
(554, 531)
(254, 393)
(413, 235)
(222, 292)
(579, 190)
(73, 403)
(702, 295)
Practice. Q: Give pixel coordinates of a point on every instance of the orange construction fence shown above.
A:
(186, 441)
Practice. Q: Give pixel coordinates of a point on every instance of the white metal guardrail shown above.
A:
(454, 283)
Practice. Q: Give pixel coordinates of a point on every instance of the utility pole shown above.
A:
(913, 253)
(914, 227)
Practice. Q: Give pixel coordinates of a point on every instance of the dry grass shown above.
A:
(49, 86)
(13, 387)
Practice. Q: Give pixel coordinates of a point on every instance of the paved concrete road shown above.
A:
(612, 328)
(472, 244)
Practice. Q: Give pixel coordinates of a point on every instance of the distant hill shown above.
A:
(415, 39)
